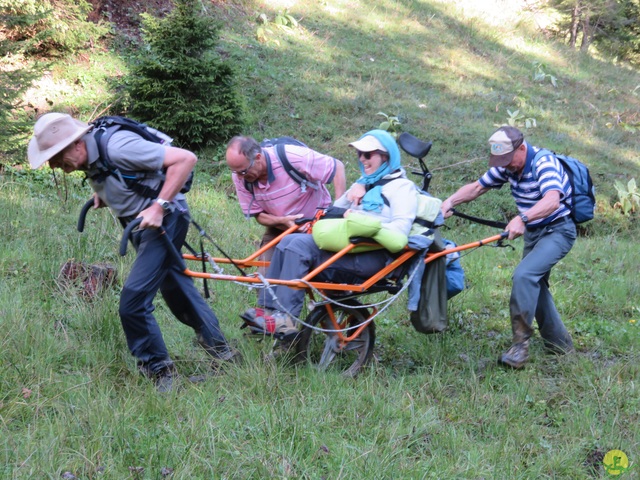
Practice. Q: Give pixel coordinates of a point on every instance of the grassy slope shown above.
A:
(430, 407)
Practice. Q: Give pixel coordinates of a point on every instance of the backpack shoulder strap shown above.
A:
(294, 173)
(104, 128)
(541, 153)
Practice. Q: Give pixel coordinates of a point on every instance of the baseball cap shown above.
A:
(504, 143)
(368, 143)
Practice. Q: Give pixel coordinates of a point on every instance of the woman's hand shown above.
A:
(355, 193)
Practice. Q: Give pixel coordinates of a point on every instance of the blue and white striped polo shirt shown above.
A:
(527, 191)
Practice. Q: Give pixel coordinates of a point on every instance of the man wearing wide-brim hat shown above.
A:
(542, 192)
(71, 145)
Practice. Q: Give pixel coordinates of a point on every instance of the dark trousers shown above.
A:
(530, 295)
(297, 254)
(154, 269)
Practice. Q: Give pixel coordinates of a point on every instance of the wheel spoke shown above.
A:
(323, 350)
(328, 354)
(358, 343)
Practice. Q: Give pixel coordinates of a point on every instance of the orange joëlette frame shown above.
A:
(306, 282)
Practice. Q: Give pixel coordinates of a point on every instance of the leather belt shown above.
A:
(557, 221)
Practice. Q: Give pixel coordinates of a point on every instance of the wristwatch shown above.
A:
(163, 203)
(524, 218)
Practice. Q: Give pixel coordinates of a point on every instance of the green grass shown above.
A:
(436, 406)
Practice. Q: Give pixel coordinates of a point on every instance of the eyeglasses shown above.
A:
(368, 155)
(242, 173)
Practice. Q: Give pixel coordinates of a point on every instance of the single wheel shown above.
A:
(324, 350)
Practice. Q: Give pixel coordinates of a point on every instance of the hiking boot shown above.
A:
(554, 349)
(224, 353)
(516, 356)
(164, 379)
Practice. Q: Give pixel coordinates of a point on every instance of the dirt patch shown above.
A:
(125, 14)
(87, 279)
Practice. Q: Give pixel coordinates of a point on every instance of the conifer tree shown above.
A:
(180, 84)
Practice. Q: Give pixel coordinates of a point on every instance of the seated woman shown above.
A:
(384, 192)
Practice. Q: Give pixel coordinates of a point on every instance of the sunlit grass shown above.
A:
(436, 406)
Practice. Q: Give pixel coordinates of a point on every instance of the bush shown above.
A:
(15, 126)
(16, 76)
(48, 27)
(180, 84)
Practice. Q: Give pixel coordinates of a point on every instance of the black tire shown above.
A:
(319, 348)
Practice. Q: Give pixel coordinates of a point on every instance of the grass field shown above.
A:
(72, 404)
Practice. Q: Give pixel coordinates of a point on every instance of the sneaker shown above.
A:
(250, 314)
(276, 323)
(285, 325)
(516, 356)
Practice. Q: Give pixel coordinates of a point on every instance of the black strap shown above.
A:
(481, 221)
(204, 269)
(424, 223)
(291, 171)
(103, 132)
(204, 234)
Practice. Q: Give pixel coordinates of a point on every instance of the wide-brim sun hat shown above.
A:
(52, 133)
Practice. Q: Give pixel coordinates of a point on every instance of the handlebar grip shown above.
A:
(126, 234)
(83, 214)
(302, 221)
(504, 234)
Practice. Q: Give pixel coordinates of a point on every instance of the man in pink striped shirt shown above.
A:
(269, 194)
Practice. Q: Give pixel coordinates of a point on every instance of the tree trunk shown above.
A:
(586, 33)
(575, 21)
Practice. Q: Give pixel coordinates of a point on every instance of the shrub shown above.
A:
(48, 27)
(180, 84)
(16, 76)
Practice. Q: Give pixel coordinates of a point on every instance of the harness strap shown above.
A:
(481, 221)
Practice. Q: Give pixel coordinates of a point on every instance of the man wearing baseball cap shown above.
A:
(542, 193)
(71, 145)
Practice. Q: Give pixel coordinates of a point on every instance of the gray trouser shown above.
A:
(297, 254)
(530, 295)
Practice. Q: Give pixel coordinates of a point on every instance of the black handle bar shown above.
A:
(171, 248)
(126, 235)
(83, 214)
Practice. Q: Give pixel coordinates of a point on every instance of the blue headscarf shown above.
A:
(372, 200)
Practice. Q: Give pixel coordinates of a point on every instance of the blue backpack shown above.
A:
(583, 205)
